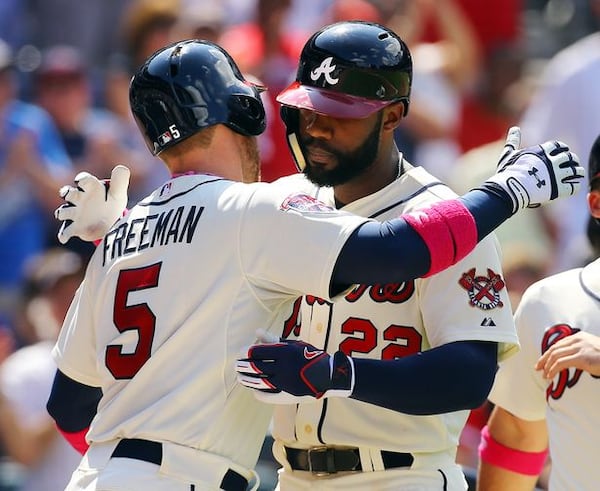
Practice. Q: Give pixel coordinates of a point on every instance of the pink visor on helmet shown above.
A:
(329, 103)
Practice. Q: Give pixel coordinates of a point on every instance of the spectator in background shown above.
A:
(567, 105)
(27, 432)
(33, 164)
(93, 136)
(264, 48)
(443, 71)
(146, 26)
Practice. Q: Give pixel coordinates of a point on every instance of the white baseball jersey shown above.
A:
(175, 292)
(468, 301)
(551, 309)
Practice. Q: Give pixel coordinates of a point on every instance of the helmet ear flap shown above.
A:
(291, 118)
(246, 114)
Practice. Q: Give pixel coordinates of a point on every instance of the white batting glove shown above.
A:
(535, 175)
(92, 205)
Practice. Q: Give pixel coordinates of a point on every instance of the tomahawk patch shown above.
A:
(484, 291)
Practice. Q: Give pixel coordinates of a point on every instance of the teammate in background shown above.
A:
(176, 288)
(547, 395)
(402, 336)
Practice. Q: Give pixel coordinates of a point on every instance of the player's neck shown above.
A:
(374, 179)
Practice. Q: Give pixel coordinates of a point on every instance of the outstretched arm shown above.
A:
(287, 372)
(439, 236)
(414, 245)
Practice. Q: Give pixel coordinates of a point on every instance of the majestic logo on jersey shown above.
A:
(566, 378)
(303, 202)
(325, 69)
(484, 291)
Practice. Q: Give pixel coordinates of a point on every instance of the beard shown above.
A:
(250, 159)
(350, 164)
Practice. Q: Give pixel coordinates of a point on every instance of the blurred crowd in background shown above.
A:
(65, 66)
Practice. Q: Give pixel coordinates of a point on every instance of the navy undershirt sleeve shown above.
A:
(71, 404)
(403, 255)
(447, 378)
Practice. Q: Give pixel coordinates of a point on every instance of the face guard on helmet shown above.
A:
(347, 70)
(188, 86)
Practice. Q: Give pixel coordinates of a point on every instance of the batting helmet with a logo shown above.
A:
(188, 86)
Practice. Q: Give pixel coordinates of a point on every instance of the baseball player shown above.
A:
(547, 395)
(146, 385)
(423, 351)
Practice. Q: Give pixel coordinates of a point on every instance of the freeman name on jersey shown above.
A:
(168, 227)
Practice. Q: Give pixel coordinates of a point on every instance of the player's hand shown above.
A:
(289, 372)
(92, 205)
(580, 350)
(535, 175)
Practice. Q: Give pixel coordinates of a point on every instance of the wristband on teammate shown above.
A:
(511, 459)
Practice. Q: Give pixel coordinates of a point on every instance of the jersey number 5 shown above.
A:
(136, 317)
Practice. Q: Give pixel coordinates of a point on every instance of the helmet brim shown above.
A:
(329, 103)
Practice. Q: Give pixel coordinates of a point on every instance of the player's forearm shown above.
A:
(432, 382)
(406, 248)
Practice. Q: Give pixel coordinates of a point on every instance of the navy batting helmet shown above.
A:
(188, 86)
(594, 162)
(350, 70)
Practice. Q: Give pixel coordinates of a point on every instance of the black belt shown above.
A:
(329, 460)
(148, 451)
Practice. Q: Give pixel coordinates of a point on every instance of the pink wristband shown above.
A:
(449, 231)
(494, 453)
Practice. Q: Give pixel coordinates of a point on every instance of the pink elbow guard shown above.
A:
(449, 231)
(494, 453)
(76, 439)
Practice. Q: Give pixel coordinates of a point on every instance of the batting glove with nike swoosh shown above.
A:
(289, 372)
(92, 205)
(535, 175)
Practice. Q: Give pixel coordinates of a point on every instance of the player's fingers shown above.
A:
(86, 181)
(554, 147)
(119, 180)
(557, 359)
(513, 138)
(513, 141)
(254, 382)
(65, 212)
(64, 233)
(559, 364)
(246, 366)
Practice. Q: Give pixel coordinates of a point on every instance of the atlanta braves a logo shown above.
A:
(325, 69)
(484, 291)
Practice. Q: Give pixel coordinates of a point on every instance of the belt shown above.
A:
(329, 460)
(148, 451)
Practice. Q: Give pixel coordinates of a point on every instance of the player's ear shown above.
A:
(392, 115)
(593, 198)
